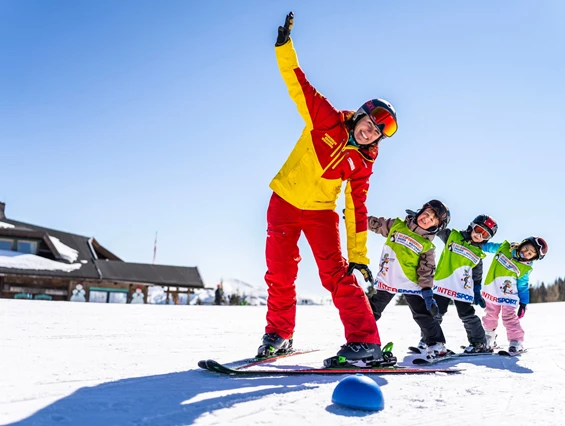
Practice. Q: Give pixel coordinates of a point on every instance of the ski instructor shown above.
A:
(335, 146)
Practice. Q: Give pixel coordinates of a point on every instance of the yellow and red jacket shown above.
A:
(312, 176)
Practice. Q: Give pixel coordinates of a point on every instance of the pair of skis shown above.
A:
(247, 368)
(451, 355)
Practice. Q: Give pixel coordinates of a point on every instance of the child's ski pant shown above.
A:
(510, 320)
(466, 312)
(430, 328)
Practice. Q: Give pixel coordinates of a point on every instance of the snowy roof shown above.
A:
(62, 254)
(22, 261)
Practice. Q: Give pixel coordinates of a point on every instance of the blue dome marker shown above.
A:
(359, 392)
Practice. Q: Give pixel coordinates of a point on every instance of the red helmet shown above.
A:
(381, 113)
(485, 222)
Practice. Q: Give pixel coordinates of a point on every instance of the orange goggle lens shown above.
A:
(482, 232)
(381, 116)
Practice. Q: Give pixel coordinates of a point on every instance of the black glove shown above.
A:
(431, 304)
(364, 269)
(521, 310)
(479, 299)
(284, 32)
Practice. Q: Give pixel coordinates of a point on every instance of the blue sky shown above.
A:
(120, 119)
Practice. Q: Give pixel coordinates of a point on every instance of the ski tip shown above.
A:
(450, 371)
(208, 364)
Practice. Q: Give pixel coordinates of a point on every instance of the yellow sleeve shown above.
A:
(356, 224)
(295, 80)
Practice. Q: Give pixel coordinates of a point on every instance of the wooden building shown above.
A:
(45, 264)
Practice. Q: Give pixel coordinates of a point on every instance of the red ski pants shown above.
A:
(321, 228)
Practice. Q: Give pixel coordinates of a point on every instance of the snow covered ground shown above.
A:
(95, 364)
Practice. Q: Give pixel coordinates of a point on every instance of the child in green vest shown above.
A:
(407, 266)
(506, 287)
(459, 275)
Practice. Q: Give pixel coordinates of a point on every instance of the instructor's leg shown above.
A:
(321, 229)
(283, 232)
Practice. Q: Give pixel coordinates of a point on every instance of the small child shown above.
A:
(459, 275)
(407, 266)
(506, 286)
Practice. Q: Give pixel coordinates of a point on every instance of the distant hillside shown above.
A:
(252, 295)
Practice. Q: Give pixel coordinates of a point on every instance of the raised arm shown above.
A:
(312, 106)
(380, 225)
(491, 247)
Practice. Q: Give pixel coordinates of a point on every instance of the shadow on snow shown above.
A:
(182, 398)
(171, 399)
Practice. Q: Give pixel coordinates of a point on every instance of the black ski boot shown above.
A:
(273, 344)
(362, 355)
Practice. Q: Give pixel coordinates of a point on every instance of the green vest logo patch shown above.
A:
(406, 241)
(507, 263)
(464, 251)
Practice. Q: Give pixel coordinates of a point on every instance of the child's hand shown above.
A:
(431, 304)
(514, 246)
(521, 310)
(479, 299)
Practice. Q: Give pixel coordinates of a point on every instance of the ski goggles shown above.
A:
(384, 120)
(542, 246)
(478, 229)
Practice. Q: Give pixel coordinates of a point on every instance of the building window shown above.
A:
(118, 298)
(98, 296)
(6, 244)
(107, 295)
(25, 246)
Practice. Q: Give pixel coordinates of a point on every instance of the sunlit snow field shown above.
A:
(94, 364)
